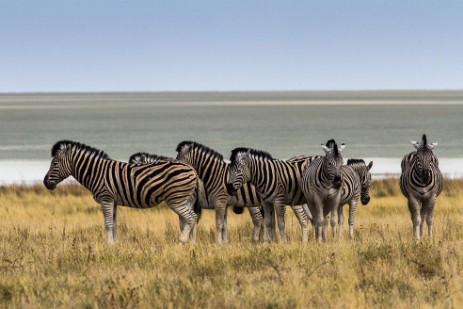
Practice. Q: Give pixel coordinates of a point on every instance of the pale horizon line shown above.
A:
(234, 91)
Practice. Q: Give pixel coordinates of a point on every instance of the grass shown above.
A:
(53, 253)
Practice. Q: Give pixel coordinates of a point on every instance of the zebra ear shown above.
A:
(327, 149)
(432, 145)
(415, 144)
(342, 147)
(370, 165)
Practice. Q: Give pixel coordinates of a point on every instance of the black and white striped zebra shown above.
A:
(276, 181)
(213, 171)
(421, 183)
(143, 158)
(356, 179)
(321, 185)
(116, 183)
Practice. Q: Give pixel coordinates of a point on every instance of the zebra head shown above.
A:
(61, 167)
(425, 159)
(332, 163)
(184, 151)
(139, 157)
(363, 171)
(239, 171)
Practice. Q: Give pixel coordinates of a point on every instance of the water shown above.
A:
(375, 125)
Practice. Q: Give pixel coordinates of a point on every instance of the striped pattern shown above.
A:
(356, 179)
(143, 158)
(276, 181)
(421, 183)
(321, 185)
(213, 171)
(117, 183)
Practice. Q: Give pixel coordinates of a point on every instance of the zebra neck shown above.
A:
(261, 174)
(89, 169)
(208, 169)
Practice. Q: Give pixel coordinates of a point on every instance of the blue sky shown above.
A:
(115, 45)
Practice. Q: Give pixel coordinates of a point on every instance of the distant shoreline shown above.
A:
(10, 101)
(33, 171)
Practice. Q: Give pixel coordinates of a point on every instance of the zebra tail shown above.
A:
(238, 210)
(201, 198)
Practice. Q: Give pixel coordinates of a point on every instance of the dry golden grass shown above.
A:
(53, 253)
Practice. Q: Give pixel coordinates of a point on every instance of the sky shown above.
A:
(218, 45)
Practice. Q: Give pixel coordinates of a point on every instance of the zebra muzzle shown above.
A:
(337, 182)
(231, 190)
(49, 185)
(365, 200)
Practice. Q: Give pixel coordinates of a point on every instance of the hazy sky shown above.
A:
(115, 45)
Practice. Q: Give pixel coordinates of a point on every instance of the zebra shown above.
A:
(116, 183)
(143, 158)
(421, 183)
(276, 181)
(356, 179)
(213, 171)
(321, 185)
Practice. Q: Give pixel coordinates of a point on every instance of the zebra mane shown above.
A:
(332, 144)
(254, 152)
(78, 146)
(202, 148)
(148, 155)
(424, 140)
(355, 161)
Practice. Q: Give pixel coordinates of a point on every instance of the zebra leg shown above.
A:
(310, 209)
(268, 214)
(187, 214)
(257, 220)
(316, 208)
(332, 210)
(303, 221)
(280, 210)
(181, 222)
(414, 207)
(430, 214)
(325, 223)
(115, 223)
(352, 208)
(340, 216)
(423, 215)
(108, 213)
(224, 227)
(220, 210)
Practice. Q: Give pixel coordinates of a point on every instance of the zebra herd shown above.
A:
(316, 187)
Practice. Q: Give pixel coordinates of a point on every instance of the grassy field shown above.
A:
(53, 253)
